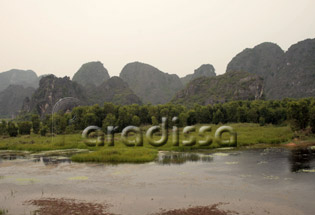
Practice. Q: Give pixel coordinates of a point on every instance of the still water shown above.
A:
(255, 181)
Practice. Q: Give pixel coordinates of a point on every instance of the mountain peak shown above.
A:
(205, 70)
(149, 83)
(26, 78)
(92, 73)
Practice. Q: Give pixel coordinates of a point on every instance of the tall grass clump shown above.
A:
(118, 155)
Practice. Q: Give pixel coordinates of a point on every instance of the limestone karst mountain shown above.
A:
(11, 99)
(286, 74)
(295, 74)
(91, 74)
(26, 78)
(223, 88)
(113, 90)
(149, 83)
(50, 90)
(205, 70)
(265, 71)
(260, 60)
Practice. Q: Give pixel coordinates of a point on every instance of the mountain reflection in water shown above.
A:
(302, 159)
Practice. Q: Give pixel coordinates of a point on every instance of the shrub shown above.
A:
(154, 120)
(312, 118)
(110, 120)
(36, 123)
(70, 129)
(135, 121)
(262, 121)
(298, 114)
(43, 131)
(12, 129)
(3, 127)
(25, 127)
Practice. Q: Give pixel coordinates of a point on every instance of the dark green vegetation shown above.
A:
(118, 155)
(267, 122)
(223, 88)
(236, 98)
(248, 134)
(298, 113)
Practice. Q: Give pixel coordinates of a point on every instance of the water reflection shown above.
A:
(52, 160)
(181, 158)
(302, 159)
(11, 157)
(46, 160)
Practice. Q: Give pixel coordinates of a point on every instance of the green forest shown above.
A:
(298, 114)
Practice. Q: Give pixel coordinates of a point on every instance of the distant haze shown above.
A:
(176, 36)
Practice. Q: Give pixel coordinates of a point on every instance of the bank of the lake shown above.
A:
(247, 135)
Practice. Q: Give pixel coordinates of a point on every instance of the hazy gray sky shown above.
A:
(176, 36)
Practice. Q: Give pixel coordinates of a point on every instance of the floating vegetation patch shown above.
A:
(181, 158)
(262, 162)
(221, 154)
(308, 170)
(78, 178)
(271, 177)
(231, 163)
(118, 155)
(288, 179)
(245, 176)
(27, 180)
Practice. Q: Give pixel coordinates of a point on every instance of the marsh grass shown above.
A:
(248, 134)
(118, 155)
(37, 143)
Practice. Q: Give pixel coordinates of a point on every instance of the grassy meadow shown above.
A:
(247, 135)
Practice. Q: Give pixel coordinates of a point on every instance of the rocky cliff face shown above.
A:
(149, 83)
(113, 90)
(205, 70)
(223, 88)
(91, 74)
(295, 74)
(260, 60)
(11, 99)
(26, 78)
(289, 74)
(51, 90)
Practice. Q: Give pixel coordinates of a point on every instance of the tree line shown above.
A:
(299, 114)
